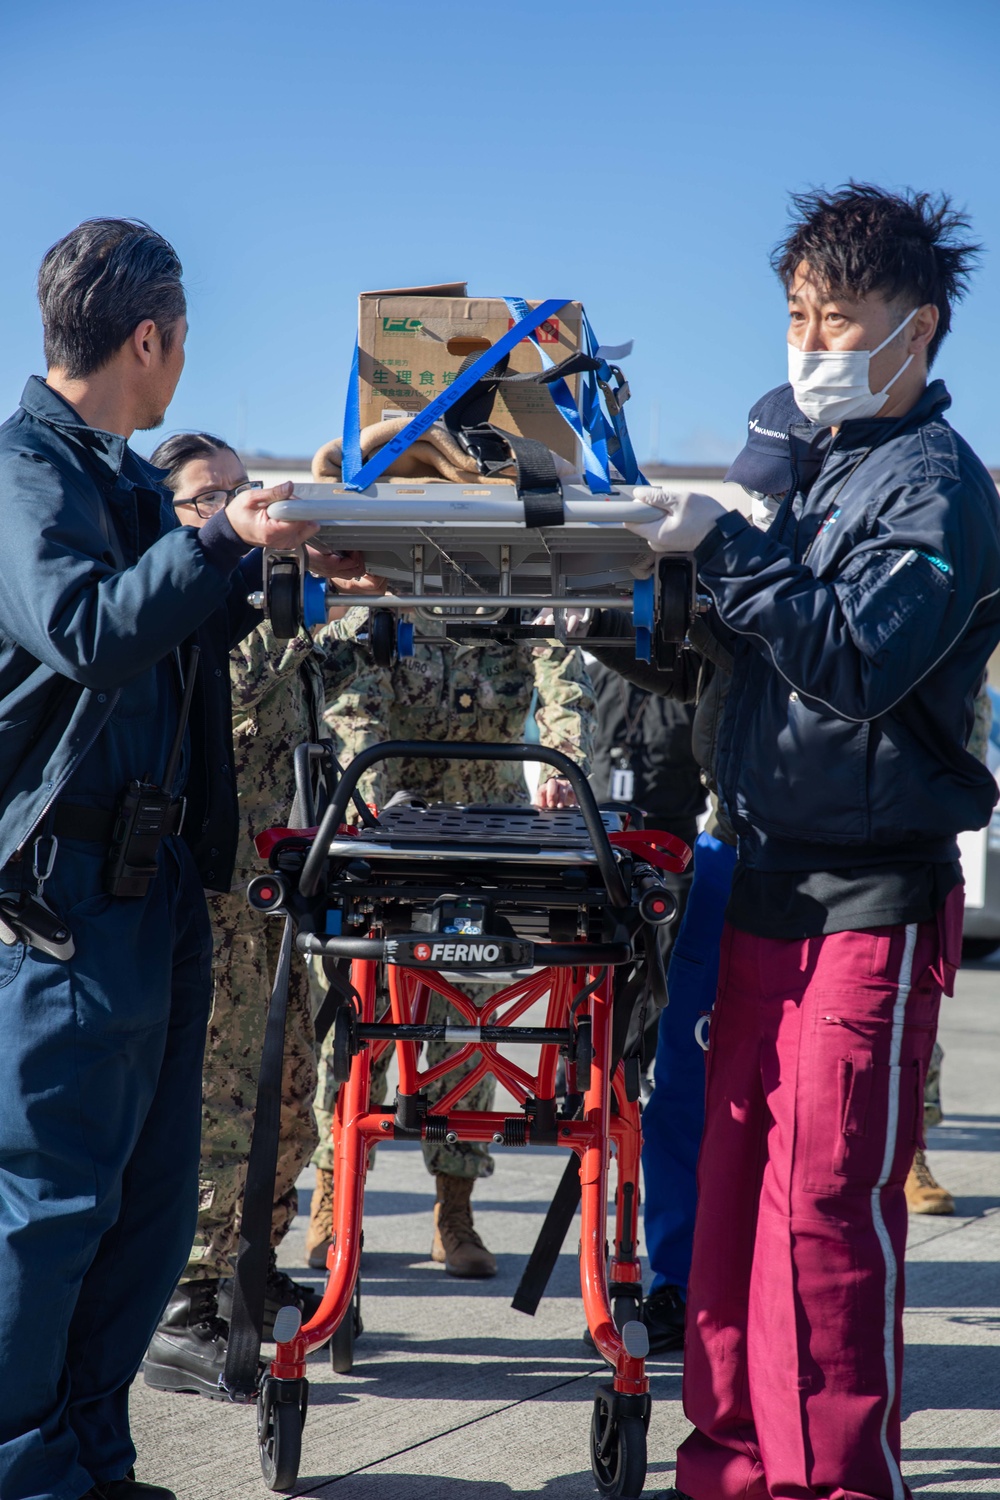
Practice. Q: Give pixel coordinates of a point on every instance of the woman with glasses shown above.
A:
(206, 502)
(277, 699)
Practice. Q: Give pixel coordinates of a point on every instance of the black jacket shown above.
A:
(655, 734)
(99, 587)
(863, 618)
(700, 674)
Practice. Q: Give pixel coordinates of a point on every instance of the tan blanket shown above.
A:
(435, 455)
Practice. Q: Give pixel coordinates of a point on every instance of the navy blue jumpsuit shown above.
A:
(101, 593)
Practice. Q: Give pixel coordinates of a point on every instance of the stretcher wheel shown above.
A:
(342, 1343)
(675, 600)
(382, 637)
(344, 1043)
(617, 1451)
(284, 600)
(281, 1415)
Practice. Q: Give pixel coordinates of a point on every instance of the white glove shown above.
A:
(679, 521)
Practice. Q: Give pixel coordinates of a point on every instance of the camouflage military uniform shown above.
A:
(277, 703)
(452, 692)
(357, 695)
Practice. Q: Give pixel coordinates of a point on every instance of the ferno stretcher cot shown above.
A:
(558, 904)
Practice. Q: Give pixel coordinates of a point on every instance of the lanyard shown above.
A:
(632, 721)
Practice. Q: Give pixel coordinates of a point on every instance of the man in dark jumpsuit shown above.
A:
(102, 594)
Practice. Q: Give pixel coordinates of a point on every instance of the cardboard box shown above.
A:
(412, 341)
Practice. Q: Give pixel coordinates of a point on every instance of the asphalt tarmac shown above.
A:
(454, 1394)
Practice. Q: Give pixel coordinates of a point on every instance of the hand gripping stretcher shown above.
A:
(556, 906)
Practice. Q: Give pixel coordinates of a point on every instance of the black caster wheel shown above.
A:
(284, 600)
(617, 1451)
(675, 600)
(342, 1343)
(281, 1415)
(344, 1043)
(382, 637)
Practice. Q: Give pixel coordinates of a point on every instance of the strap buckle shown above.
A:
(488, 446)
(615, 396)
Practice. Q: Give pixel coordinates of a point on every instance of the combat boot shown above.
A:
(320, 1231)
(188, 1350)
(456, 1244)
(129, 1488)
(279, 1291)
(923, 1194)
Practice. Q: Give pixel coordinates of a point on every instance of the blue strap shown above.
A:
(351, 456)
(566, 406)
(590, 406)
(624, 459)
(360, 478)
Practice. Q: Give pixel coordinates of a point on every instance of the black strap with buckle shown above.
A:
(96, 825)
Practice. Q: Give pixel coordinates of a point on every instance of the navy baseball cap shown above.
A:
(764, 464)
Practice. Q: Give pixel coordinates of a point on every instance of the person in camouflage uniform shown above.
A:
(453, 692)
(277, 703)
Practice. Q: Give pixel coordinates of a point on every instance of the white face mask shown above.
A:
(763, 508)
(831, 385)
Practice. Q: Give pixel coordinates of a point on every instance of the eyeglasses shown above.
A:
(210, 502)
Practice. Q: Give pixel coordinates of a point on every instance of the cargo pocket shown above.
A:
(858, 1075)
(874, 1101)
(844, 1094)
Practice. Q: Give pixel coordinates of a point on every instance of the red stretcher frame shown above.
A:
(597, 1137)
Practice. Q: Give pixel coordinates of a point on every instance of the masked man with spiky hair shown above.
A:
(860, 623)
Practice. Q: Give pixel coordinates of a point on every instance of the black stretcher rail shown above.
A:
(423, 750)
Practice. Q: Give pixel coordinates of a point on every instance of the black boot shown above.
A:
(663, 1314)
(128, 1488)
(188, 1350)
(280, 1291)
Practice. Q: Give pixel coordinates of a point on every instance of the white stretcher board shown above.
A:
(464, 529)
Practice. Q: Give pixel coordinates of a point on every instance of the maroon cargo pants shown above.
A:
(794, 1345)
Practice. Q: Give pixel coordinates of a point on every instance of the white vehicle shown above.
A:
(981, 865)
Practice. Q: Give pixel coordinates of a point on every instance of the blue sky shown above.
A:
(634, 155)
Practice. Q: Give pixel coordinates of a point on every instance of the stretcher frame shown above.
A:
(469, 556)
(617, 894)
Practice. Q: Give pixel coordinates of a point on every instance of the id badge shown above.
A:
(622, 784)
